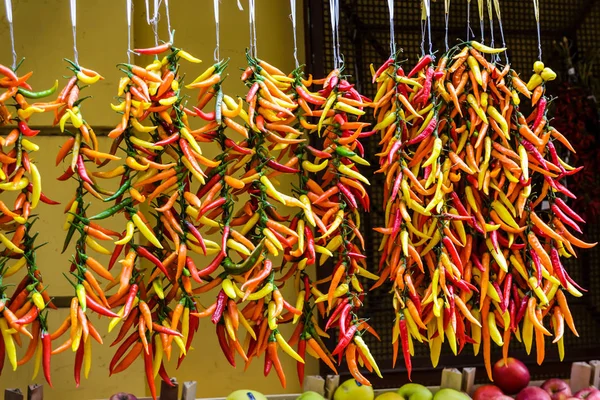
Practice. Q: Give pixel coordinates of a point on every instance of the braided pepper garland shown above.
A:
(19, 175)
(469, 250)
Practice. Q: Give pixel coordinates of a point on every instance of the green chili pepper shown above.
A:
(112, 210)
(120, 191)
(69, 236)
(344, 151)
(243, 267)
(38, 95)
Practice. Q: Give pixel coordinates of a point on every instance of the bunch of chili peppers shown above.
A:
(23, 312)
(476, 221)
(82, 147)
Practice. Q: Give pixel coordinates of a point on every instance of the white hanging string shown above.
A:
(129, 5)
(74, 25)
(392, 33)
(154, 21)
(293, 17)
(217, 52)
(427, 7)
(481, 22)
(468, 20)
(252, 20)
(168, 12)
(536, 9)
(423, 27)
(9, 18)
(334, 16)
(491, 17)
(447, 19)
(499, 16)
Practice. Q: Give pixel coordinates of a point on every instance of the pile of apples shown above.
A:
(512, 378)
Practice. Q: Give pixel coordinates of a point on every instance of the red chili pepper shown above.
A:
(383, 67)
(9, 73)
(98, 308)
(66, 175)
(423, 94)
(494, 239)
(506, 294)
(148, 356)
(161, 48)
(130, 298)
(318, 153)
(81, 171)
(218, 313)
(168, 140)
(405, 347)
(163, 329)
(224, 238)
(237, 147)
(512, 311)
(29, 317)
(46, 355)
(43, 197)
(310, 245)
(221, 336)
(131, 339)
(272, 352)
(79, 363)
(196, 233)
(541, 109)
(210, 206)
(538, 265)
(189, 154)
(423, 62)
(426, 132)
(345, 340)
(336, 312)
(281, 168)
(144, 252)
(212, 267)
(348, 195)
(26, 130)
(162, 371)
(522, 309)
(267, 365)
(531, 149)
(299, 365)
(307, 97)
(252, 92)
(564, 218)
(115, 255)
(453, 253)
(345, 318)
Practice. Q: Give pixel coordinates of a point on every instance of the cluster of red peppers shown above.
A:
(475, 211)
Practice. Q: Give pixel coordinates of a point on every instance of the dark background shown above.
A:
(364, 39)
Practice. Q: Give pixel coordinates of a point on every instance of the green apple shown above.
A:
(414, 391)
(310, 396)
(352, 390)
(389, 396)
(246, 395)
(450, 394)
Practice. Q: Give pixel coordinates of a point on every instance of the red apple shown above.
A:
(590, 393)
(485, 392)
(533, 393)
(557, 388)
(512, 376)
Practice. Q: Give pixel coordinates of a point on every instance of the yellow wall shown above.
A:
(43, 36)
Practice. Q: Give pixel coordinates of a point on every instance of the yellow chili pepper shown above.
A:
(344, 169)
(244, 322)
(9, 344)
(473, 103)
(143, 228)
(265, 290)
(129, 231)
(328, 104)
(16, 267)
(227, 286)
(10, 245)
(474, 66)
(88, 80)
(97, 247)
(38, 300)
(494, 332)
(158, 356)
(15, 186)
(145, 144)
(299, 305)
(367, 353)
(188, 57)
(287, 348)
(87, 358)
(486, 49)
(38, 360)
(476, 332)
(158, 288)
(348, 108)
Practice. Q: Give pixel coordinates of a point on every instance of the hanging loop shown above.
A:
(536, 10)
(392, 33)
(217, 52)
(446, 21)
(9, 18)
(293, 18)
(128, 13)
(74, 26)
